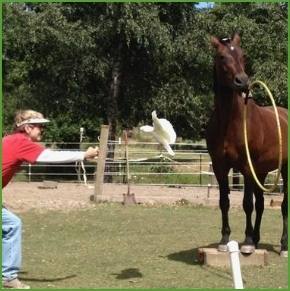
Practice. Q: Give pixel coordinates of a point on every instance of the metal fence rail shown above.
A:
(149, 165)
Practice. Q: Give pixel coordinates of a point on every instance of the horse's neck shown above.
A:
(227, 107)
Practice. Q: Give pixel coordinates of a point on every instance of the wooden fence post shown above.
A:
(99, 180)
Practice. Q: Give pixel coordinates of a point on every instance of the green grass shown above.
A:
(112, 246)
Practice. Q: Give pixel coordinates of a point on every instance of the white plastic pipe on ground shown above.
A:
(233, 248)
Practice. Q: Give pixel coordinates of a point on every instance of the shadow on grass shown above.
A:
(270, 248)
(194, 257)
(190, 257)
(44, 279)
(129, 274)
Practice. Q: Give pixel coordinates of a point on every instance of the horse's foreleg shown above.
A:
(259, 206)
(224, 205)
(248, 206)
(284, 210)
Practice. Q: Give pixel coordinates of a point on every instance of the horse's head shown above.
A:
(230, 63)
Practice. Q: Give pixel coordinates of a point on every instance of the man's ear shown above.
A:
(26, 128)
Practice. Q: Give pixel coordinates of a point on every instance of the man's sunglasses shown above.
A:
(40, 126)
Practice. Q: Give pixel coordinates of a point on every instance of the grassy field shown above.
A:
(112, 246)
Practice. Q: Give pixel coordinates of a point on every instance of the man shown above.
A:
(18, 147)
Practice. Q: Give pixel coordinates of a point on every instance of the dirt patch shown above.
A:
(23, 196)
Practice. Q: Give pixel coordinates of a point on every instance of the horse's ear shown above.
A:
(215, 41)
(236, 39)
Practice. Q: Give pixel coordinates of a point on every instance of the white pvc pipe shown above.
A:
(233, 248)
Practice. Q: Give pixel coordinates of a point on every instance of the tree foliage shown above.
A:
(84, 64)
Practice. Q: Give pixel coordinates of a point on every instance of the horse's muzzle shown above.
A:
(241, 82)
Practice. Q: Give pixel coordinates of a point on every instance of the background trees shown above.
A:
(84, 64)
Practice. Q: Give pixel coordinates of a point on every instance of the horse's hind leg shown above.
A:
(284, 210)
(248, 206)
(259, 206)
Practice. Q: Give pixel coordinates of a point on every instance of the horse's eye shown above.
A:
(222, 58)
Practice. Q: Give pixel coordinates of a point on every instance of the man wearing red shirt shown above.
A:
(21, 146)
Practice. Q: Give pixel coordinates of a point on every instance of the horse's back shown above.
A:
(270, 129)
(282, 112)
(283, 117)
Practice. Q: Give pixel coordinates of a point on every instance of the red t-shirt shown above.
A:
(16, 149)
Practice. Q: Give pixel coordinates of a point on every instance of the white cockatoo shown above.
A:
(163, 132)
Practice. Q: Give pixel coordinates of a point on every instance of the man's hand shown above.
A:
(91, 153)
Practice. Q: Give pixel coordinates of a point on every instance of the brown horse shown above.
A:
(226, 145)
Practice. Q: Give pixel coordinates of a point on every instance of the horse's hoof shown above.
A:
(284, 254)
(222, 248)
(247, 249)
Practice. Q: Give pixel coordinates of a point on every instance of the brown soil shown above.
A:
(23, 196)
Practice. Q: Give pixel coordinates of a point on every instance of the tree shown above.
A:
(84, 64)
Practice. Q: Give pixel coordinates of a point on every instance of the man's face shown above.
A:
(34, 131)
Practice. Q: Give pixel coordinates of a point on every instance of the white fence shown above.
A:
(149, 164)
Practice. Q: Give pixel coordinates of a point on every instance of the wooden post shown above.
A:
(129, 198)
(99, 180)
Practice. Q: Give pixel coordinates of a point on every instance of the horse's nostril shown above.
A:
(241, 81)
(238, 81)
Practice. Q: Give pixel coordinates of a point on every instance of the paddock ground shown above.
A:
(70, 242)
(24, 196)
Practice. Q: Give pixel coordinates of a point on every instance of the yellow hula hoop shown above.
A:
(279, 139)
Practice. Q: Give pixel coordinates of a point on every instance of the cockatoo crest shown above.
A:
(163, 132)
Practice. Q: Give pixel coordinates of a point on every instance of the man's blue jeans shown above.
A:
(11, 245)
